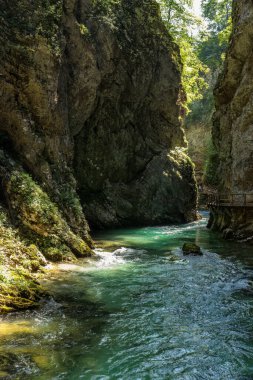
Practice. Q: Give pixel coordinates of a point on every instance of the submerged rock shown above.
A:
(228, 234)
(16, 366)
(191, 249)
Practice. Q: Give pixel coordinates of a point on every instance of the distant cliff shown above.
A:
(89, 108)
(233, 125)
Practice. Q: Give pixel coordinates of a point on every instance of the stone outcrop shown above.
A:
(89, 121)
(233, 124)
(129, 168)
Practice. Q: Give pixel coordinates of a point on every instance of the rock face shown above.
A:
(89, 107)
(127, 165)
(233, 123)
(100, 82)
(34, 126)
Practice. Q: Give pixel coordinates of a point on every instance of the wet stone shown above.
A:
(191, 249)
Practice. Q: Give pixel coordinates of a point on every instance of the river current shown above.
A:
(142, 310)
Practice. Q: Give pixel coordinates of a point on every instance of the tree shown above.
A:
(181, 23)
(211, 48)
(219, 24)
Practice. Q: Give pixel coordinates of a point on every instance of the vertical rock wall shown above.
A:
(129, 153)
(233, 124)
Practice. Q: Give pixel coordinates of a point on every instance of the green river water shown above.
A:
(142, 310)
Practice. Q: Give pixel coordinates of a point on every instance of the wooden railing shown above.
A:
(230, 200)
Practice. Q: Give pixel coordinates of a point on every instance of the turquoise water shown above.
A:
(142, 310)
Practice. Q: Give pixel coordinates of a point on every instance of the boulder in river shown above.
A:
(191, 249)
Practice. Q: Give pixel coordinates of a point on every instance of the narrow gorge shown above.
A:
(126, 189)
(89, 131)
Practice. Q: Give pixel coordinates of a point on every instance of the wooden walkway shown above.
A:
(230, 200)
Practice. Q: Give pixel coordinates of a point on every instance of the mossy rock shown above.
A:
(41, 221)
(191, 249)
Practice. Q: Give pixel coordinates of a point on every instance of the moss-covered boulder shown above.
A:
(39, 219)
(192, 249)
(20, 265)
(32, 229)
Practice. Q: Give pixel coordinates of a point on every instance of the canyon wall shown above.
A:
(89, 126)
(233, 127)
(129, 162)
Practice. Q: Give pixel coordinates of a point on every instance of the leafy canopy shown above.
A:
(181, 24)
(202, 52)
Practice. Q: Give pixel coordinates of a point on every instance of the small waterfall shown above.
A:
(108, 259)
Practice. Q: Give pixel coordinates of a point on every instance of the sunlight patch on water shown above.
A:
(12, 328)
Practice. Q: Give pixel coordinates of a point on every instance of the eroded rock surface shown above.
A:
(233, 124)
(127, 165)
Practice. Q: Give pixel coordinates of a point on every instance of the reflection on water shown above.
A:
(141, 310)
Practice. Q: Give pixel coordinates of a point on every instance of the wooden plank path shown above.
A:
(244, 200)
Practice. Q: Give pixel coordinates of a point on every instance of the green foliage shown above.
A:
(194, 71)
(180, 23)
(211, 47)
(83, 30)
(18, 262)
(202, 57)
(177, 15)
(104, 7)
(202, 54)
(69, 199)
(214, 41)
(218, 13)
(32, 200)
(41, 221)
(36, 18)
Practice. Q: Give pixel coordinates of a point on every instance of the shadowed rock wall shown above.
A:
(128, 162)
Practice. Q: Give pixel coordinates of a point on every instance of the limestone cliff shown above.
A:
(128, 166)
(89, 107)
(233, 124)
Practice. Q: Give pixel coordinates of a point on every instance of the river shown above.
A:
(140, 311)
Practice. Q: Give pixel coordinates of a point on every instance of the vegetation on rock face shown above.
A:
(19, 263)
(203, 52)
(24, 21)
(212, 49)
(211, 166)
(36, 213)
(40, 232)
